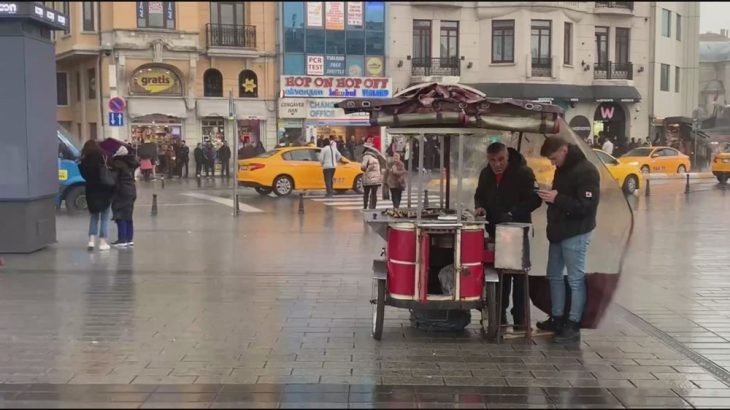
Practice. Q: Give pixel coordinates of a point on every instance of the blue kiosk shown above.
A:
(28, 142)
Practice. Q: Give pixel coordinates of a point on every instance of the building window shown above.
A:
(356, 42)
(227, 13)
(449, 39)
(540, 43)
(503, 41)
(92, 131)
(65, 9)
(421, 40)
(91, 83)
(666, 23)
(78, 86)
(248, 84)
(61, 88)
(374, 42)
(664, 80)
(89, 15)
(212, 83)
(315, 41)
(676, 79)
(375, 15)
(568, 44)
(156, 14)
(679, 27)
(294, 27)
(335, 42)
(622, 45)
(602, 44)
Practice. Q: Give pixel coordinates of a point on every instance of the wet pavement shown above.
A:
(270, 309)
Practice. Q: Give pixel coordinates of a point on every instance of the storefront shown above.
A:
(251, 118)
(156, 106)
(307, 110)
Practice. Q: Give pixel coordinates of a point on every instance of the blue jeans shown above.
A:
(570, 254)
(125, 231)
(99, 223)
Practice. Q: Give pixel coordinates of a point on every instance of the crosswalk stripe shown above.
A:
(353, 208)
(224, 201)
(359, 201)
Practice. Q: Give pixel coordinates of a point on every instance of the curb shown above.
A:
(692, 175)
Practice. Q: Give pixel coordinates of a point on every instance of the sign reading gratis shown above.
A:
(341, 87)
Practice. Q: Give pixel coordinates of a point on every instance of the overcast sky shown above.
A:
(714, 16)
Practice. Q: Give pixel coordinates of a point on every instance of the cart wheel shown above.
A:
(489, 312)
(379, 310)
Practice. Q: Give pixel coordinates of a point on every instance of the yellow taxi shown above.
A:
(657, 159)
(628, 176)
(721, 164)
(285, 169)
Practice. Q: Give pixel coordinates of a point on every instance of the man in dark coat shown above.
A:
(209, 152)
(183, 158)
(571, 218)
(506, 193)
(199, 159)
(224, 154)
(125, 193)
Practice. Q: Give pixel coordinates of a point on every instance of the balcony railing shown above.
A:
(542, 67)
(227, 35)
(436, 66)
(613, 71)
(627, 5)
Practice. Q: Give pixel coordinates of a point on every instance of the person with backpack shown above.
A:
(99, 190)
(125, 193)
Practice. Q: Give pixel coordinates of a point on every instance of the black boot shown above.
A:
(569, 334)
(553, 324)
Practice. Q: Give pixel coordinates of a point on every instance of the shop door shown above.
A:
(613, 117)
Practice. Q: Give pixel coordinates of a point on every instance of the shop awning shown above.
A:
(530, 91)
(141, 106)
(218, 107)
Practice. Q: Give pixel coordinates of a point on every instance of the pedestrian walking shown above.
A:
(371, 178)
(199, 159)
(224, 155)
(99, 190)
(329, 157)
(183, 159)
(505, 193)
(396, 179)
(123, 166)
(571, 218)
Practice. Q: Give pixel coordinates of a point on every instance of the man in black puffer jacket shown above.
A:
(505, 193)
(571, 218)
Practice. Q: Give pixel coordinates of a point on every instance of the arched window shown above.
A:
(212, 83)
(248, 84)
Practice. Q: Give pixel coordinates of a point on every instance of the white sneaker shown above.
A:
(130, 244)
(91, 244)
(103, 246)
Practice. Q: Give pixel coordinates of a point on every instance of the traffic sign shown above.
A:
(117, 104)
(116, 119)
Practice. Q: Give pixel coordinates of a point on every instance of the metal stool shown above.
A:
(526, 306)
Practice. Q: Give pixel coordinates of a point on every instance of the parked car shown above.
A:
(71, 183)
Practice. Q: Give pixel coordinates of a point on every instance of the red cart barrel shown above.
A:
(401, 254)
(472, 253)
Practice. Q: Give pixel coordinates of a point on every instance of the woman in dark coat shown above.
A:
(125, 193)
(98, 195)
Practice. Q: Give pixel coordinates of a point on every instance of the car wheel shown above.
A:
(722, 177)
(631, 184)
(358, 184)
(645, 169)
(76, 199)
(681, 169)
(283, 185)
(263, 191)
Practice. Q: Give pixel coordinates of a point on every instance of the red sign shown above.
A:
(117, 104)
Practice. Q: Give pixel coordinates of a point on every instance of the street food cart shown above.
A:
(436, 256)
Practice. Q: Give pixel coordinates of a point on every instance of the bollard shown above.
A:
(154, 204)
(163, 182)
(301, 202)
(648, 187)
(198, 178)
(686, 186)
(425, 198)
(238, 208)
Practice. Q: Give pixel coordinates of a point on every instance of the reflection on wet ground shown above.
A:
(271, 309)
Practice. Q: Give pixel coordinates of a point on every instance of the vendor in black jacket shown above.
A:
(506, 194)
(571, 218)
